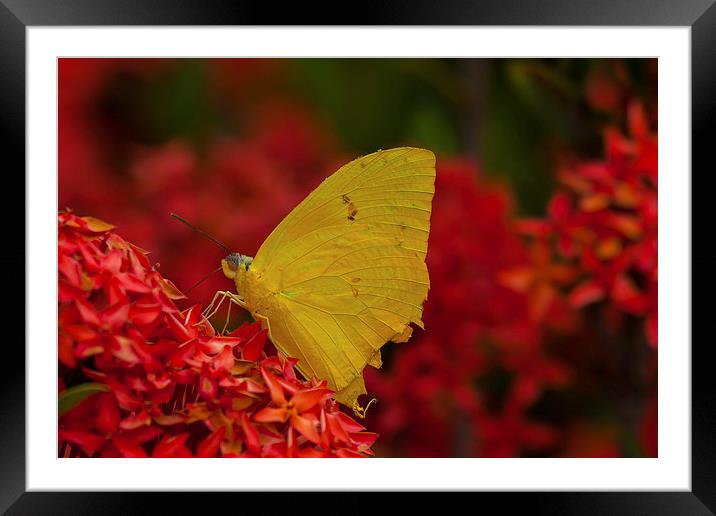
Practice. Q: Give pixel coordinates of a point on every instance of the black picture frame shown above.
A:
(17, 15)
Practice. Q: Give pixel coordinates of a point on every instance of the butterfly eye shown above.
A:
(233, 261)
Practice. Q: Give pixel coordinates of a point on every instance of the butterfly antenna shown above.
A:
(201, 232)
(202, 280)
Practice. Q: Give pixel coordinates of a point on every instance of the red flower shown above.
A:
(603, 228)
(176, 388)
(540, 280)
(297, 410)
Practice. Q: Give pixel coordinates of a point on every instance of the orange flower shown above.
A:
(297, 410)
(541, 280)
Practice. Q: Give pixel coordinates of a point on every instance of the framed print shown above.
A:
(429, 241)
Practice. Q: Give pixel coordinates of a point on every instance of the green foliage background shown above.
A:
(511, 115)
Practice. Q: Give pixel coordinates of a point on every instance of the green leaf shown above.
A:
(70, 398)
(380, 103)
(431, 127)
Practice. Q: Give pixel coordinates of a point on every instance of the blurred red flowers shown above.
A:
(601, 230)
(163, 382)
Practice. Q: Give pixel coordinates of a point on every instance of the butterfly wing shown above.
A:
(348, 265)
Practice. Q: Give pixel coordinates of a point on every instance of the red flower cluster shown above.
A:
(599, 241)
(165, 383)
(438, 397)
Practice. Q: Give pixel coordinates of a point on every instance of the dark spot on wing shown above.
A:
(355, 280)
(346, 199)
(355, 292)
(352, 211)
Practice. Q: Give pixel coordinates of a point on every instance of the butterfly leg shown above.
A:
(361, 412)
(228, 316)
(210, 306)
(223, 295)
(233, 299)
(237, 299)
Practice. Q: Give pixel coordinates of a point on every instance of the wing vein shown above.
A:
(320, 350)
(335, 345)
(346, 184)
(294, 260)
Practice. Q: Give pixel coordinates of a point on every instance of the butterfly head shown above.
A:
(235, 262)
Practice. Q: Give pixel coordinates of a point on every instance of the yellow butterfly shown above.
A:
(345, 271)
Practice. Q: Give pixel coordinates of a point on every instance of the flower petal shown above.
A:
(172, 446)
(274, 387)
(271, 415)
(306, 427)
(306, 400)
(135, 421)
(254, 346)
(88, 441)
(209, 447)
(586, 293)
(252, 436)
(128, 447)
